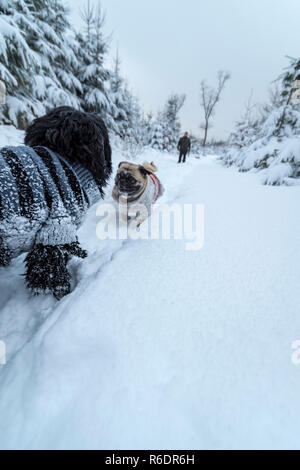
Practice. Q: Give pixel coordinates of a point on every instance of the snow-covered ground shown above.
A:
(9, 135)
(158, 347)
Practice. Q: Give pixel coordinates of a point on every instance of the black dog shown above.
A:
(46, 188)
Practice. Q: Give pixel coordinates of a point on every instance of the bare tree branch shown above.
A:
(209, 98)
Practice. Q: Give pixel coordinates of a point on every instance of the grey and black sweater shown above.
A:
(43, 199)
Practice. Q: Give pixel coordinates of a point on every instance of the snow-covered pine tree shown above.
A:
(121, 107)
(146, 123)
(18, 62)
(94, 76)
(56, 83)
(170, 116)
(289, 120)
(156, 139)
(137, 136)
(160, 134)
(247, 127)
(275, 148)
(36, 59)
(275, 101)
(196, 144)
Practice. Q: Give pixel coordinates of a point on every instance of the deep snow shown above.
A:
(158, 347)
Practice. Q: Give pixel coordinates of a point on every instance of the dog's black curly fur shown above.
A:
(81, 138)
(77, 136)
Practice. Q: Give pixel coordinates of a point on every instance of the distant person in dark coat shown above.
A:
(184, 147)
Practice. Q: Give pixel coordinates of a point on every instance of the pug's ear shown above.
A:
(121, 164)
(143, 171)
(150, 167)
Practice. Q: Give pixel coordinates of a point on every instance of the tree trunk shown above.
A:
(205, 134)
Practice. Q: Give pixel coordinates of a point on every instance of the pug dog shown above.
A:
(137, 188)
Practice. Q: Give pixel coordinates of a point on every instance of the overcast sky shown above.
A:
(170, 46)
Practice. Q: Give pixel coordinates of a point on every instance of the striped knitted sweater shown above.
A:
(43, 198)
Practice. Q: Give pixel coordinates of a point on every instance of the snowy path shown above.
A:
(159, 347)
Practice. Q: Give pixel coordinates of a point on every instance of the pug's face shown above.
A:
(131, 178)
